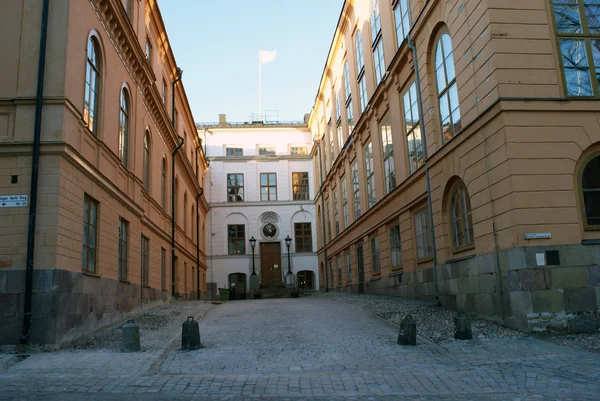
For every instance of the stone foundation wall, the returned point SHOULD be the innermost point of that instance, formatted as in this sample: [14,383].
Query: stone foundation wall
[520,294]
[67,304]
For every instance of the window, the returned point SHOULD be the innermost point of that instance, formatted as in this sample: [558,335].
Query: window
[356,191]
[145,261]
[335,213]
[124,127]
[360,67]
[423,234]
[163,256]
[266,151]
[375,254]
[164,92]
[184,212]
[344,202]
[123,238]
[347,89]
[88,247]
[234,152]
[163,183]
[236,239]
[328,220]
[375,20]
[339,269]
[578,27]
[331,272]
[590,186]
[303,235]
[235,187]
[268,186]
[348,266]
[128,8]
[462,221]
[388,156]
[324,152]
[331,148]
[395,246]
[370,175]
[362,92]
[300,186]
[413,129]
[147,161]
[379,60]
[299,150]
[446,88]
[338,113]
[402,17]
[92,85]
[350,116]
[148,50]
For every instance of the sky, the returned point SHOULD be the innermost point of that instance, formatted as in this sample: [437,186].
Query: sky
[216,43]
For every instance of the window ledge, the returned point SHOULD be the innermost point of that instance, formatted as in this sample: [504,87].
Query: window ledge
[123,280]
[394,274]
[375,279]
[590,242]
[424,260]
[463,249]
[460,259]
[91,274]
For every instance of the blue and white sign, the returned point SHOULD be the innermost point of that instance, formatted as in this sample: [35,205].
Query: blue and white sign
[14,200]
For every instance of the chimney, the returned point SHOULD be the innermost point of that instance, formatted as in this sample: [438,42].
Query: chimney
[222,119]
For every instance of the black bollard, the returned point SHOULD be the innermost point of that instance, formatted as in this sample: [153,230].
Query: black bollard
[130,339]
[408,331]
[462,327]
[190,335]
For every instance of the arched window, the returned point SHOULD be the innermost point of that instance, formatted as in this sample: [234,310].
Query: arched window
[163,183]
[124,126]
[184,209]
[446,88]
[92,85]
[590,186]
[462,221]
[147,161]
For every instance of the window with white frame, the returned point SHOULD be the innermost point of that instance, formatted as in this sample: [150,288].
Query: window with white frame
[266,151]
[402,19]
[360,68]
[300,189]
[92,85]
[362,92]
[350,116]
[338,113]
[235,187]
[395,246]
[375,254]
[378,57]
[413,129]
[124,126]
[379,60]
[348,92]
[388,156]
[232,151]
[268,186]
[370,175]
[299,150]
[423,234]
[446,89]
[355,191]
[328,220]
[340,136]
[348,265]
[339,269]
[344,202]
[336,213]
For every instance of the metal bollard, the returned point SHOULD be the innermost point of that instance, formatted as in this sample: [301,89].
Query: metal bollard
[190,335]
[130,340]
[462,327]
[408,331]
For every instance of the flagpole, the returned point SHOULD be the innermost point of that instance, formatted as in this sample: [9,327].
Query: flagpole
[259,87]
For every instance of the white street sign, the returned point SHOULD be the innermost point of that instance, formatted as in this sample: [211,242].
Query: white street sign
[13,200]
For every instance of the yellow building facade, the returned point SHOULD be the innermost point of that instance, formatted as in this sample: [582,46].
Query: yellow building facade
[111,142]
[459,149]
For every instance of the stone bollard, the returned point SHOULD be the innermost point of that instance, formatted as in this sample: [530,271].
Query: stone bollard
[130,340]
[408,331]
[462,327]
[190,336]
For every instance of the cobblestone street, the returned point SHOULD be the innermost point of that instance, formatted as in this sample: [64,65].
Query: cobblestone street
[310,348]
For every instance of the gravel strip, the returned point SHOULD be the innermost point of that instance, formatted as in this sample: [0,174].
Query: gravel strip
[433,322]
[157,324]
[588,342]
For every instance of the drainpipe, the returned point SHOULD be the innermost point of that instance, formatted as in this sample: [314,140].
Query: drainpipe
[323,218]
[181,141]
[198,242]
[35,162]
[412,47]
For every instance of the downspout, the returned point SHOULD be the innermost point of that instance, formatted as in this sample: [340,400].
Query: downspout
[412,47]
[182,140]
[35,163]
[323,218]
[198,242]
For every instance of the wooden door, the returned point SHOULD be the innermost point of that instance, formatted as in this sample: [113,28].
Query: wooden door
[270,263]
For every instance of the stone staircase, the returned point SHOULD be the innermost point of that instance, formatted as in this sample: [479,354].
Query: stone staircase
[274,291]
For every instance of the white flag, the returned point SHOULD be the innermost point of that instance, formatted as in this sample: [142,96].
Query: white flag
[265,56]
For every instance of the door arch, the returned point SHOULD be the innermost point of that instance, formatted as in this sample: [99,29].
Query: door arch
[306,280]
[237,286]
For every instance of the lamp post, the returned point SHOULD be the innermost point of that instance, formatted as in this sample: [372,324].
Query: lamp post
[290,279]
[253,245]
[288,242]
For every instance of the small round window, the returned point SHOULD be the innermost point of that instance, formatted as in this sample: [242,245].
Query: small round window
[269,231]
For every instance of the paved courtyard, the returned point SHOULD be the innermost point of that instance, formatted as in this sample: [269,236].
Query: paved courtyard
[307,349]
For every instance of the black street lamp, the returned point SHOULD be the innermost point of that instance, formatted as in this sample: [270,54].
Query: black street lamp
[288,242]
[253,245]
[290,279]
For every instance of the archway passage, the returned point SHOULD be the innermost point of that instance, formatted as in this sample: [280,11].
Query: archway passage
[305,280]
[237,286]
